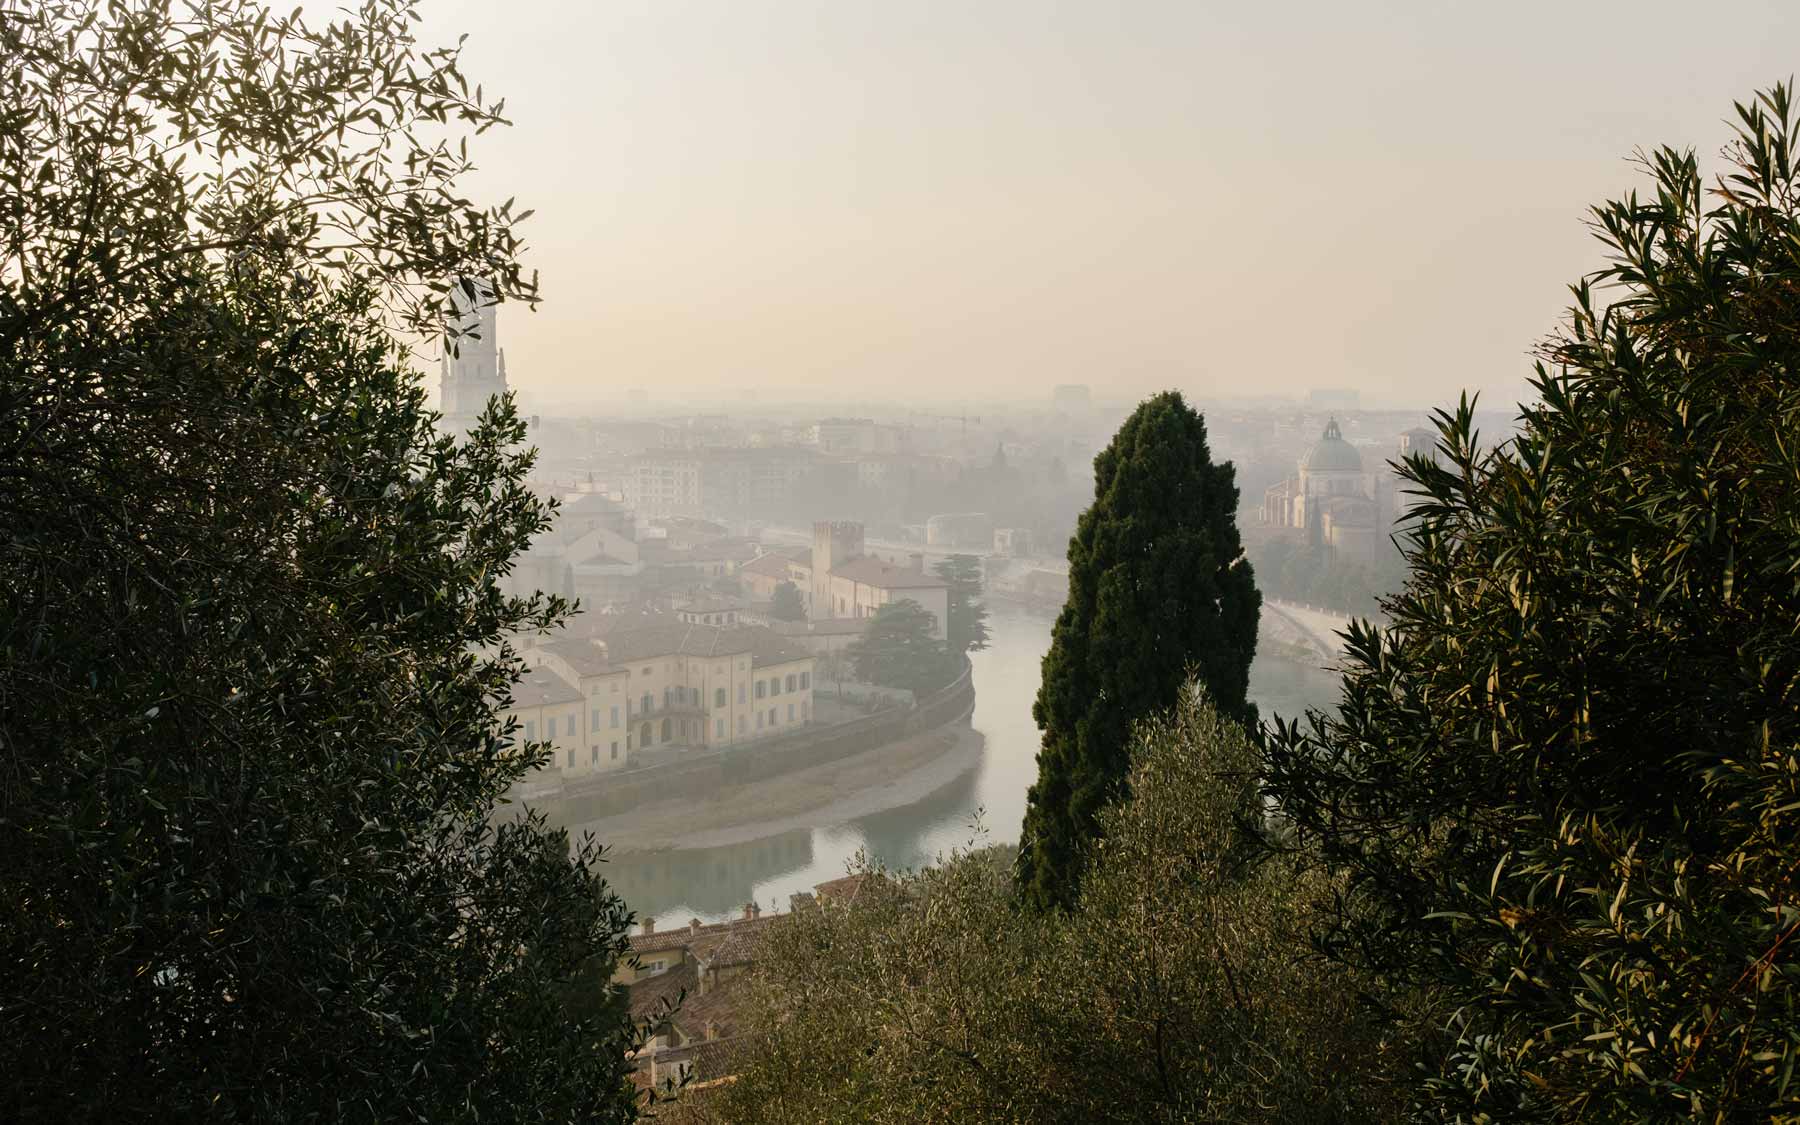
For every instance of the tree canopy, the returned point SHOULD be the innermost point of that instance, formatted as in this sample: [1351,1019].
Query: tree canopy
[1561,786]
[252,646]
[1178,988]
[966,630]
[785,604]
[1158,590]
[898,649]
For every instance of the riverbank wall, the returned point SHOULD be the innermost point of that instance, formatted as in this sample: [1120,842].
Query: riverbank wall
[703,772]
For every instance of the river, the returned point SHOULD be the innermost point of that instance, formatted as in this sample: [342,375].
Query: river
[984,805]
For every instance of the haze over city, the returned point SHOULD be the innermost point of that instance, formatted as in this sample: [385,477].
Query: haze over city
[865,201]
[753,562]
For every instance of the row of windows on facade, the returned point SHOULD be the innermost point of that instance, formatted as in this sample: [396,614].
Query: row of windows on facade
[673,696]
[770,718]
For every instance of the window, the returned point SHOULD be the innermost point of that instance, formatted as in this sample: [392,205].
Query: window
[645,672]
[594,759]
[615,716]
[762,689]
[718,728]
[741,690]
[530,731]
[569,727]
[651,968]
[595,719]
[644,740]
[790,712]
[804,677]
[668,697]
[719,698]
[774,685]
[571,759]
[793,681]
[649,703]
[615,751]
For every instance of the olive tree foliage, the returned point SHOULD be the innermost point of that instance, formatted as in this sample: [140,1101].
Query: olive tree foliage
[1564,785]
[251,638]
[1178,987]
[138,140]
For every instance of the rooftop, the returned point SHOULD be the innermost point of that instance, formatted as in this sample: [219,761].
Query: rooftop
[589,503]
[1332,454]
[774,564]
[635,637]
[587,658]
[711,604]
[539,687]
[834,627]
[885,575]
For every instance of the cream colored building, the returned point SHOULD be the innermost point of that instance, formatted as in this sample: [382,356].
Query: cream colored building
[1331,498]
[601,740]
[546,708]
[839,579]
[650,681]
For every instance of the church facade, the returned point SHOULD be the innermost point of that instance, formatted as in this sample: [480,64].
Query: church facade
[1332,499]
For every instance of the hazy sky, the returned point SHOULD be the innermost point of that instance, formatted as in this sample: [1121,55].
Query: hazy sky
[976,199]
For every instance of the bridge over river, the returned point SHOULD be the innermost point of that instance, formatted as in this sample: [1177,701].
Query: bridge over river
[1304,627]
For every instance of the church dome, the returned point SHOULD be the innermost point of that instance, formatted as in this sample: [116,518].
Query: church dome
[1332,454]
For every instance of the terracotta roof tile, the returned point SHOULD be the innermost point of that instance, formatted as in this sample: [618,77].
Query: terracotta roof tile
[885,575]
[539,687]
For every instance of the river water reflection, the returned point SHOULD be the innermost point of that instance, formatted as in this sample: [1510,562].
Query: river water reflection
[712,883]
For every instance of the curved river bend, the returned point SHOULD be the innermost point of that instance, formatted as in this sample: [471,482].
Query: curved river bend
[714,883]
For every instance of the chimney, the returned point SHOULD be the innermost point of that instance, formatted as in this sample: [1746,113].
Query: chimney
[693,925]
[749,911]
[649,925]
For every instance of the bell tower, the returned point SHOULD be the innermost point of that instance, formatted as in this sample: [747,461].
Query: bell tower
[473,369]
[834,543]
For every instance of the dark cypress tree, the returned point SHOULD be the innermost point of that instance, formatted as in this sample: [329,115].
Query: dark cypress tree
[1158,586]
[966,627]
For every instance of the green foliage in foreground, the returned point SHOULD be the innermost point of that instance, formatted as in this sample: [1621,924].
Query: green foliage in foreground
[1158,586]
[1178,988]
[250,625]
[1565,786]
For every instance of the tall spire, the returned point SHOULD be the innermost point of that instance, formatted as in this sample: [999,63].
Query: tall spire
[473,367]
